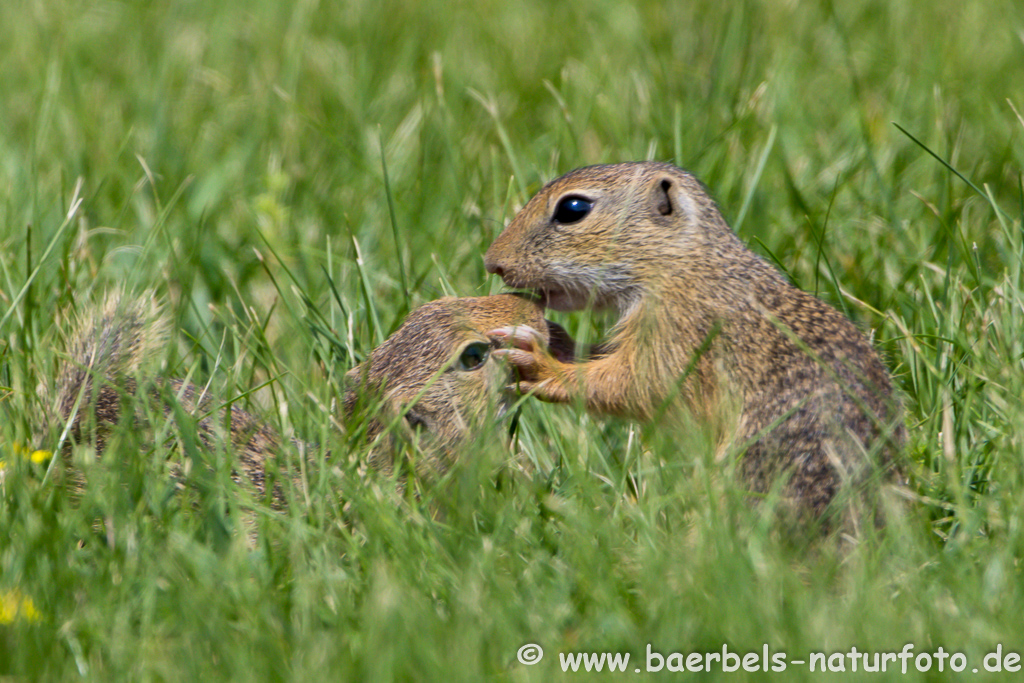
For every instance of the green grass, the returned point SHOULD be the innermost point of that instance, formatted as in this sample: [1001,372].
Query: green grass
[235,158]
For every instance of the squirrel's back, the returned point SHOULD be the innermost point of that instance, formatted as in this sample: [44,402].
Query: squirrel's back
[103,351]
[105,363]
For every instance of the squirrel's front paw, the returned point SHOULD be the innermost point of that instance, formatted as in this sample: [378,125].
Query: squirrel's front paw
[529,355]
[526,352]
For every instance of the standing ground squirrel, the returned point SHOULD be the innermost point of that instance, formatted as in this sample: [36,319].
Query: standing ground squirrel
[702,319]
[436,371]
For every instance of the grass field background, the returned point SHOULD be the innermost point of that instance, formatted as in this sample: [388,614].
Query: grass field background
[274,169]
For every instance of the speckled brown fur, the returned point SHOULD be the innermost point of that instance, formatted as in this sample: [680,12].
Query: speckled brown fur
[655,247]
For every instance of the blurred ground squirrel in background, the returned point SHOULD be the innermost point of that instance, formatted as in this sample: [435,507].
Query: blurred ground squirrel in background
[435,377]
[702,319]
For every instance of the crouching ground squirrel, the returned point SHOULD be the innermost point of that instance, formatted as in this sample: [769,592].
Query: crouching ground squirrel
[435,378]
[780,376]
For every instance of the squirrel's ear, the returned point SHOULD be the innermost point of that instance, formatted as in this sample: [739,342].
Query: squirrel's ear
[662,200]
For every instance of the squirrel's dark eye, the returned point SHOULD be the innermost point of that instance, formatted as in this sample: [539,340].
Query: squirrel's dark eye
[473,356]
[572,209]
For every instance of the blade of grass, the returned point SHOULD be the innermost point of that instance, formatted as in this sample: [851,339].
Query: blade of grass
[394,223]
[950,168]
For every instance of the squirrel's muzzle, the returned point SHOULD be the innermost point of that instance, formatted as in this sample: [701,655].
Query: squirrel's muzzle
[493,268]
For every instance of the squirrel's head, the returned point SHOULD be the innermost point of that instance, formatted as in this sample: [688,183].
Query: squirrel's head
[596,236]
[434,382]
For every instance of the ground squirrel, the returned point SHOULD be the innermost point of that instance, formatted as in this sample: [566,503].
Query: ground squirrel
[436,371]
[702,319]
[440,362]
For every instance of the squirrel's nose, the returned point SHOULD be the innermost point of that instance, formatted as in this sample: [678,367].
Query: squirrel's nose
[494,268]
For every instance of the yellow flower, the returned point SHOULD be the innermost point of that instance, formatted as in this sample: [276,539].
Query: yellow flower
[40,456]
[37,456]
[14,605]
